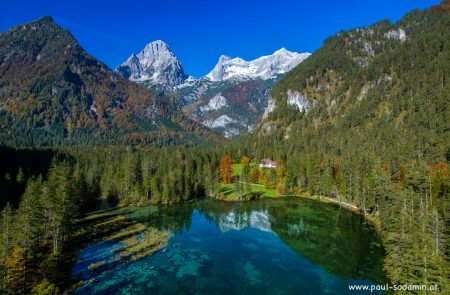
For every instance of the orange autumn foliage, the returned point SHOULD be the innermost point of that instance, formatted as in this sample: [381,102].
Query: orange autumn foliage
[226,169]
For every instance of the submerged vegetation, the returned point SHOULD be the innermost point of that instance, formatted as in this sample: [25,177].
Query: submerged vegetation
[135,239]
[219,246]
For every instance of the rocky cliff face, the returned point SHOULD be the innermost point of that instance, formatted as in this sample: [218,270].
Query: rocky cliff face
[232,98]
[155,66]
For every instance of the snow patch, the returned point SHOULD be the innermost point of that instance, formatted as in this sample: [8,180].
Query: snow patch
[189,82]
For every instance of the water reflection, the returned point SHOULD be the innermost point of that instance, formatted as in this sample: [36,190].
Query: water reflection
[236,221]
[265,246]
[340,241]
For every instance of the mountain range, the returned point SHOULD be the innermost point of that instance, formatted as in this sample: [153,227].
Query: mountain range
[265,67]
[230,99]
[52,92]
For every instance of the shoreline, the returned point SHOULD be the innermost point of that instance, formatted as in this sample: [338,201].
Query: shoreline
[348,206]
[322,199]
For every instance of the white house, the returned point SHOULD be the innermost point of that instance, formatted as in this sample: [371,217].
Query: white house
[267,163]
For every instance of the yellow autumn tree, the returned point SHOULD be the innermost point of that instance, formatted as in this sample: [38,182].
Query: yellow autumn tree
[245,161]
[16,269]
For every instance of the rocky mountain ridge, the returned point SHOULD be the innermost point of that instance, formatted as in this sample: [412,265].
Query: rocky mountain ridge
[229,99]
[154,66]
[53,93]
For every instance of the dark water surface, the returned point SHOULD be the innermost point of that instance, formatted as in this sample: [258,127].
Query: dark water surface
[284,246]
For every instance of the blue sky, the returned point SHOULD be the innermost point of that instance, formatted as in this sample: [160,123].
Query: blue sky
[199,31]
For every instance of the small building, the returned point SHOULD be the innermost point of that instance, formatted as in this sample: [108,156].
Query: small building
[267,163]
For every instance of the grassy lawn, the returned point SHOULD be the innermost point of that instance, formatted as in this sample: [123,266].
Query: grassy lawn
[228,191]
[258,189]
[237,169]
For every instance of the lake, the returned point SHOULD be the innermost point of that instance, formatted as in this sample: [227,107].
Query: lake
[270,246]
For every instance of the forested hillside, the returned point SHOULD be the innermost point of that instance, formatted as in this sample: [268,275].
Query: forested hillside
[366,120]
[53,93]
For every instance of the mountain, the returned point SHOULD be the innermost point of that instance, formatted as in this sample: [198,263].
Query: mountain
[230,99]
[230,108]
[353,68]
[154,66]
[365,120]
[265,67]
[52,92]
[233,96]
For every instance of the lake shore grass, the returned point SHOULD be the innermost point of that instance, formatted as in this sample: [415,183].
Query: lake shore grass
[227,191]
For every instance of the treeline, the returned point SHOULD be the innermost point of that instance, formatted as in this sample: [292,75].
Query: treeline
[148,176]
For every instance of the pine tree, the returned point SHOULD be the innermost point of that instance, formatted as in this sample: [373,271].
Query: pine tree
[29,219]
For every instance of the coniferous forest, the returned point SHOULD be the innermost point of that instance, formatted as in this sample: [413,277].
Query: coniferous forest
[371,130]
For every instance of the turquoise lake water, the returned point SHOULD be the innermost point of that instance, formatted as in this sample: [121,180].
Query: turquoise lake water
[285,246]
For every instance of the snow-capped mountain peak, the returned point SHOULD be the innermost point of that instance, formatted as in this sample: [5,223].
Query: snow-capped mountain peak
[155,65]
[282,50]
[224,58]
[265,67]
[155,52]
